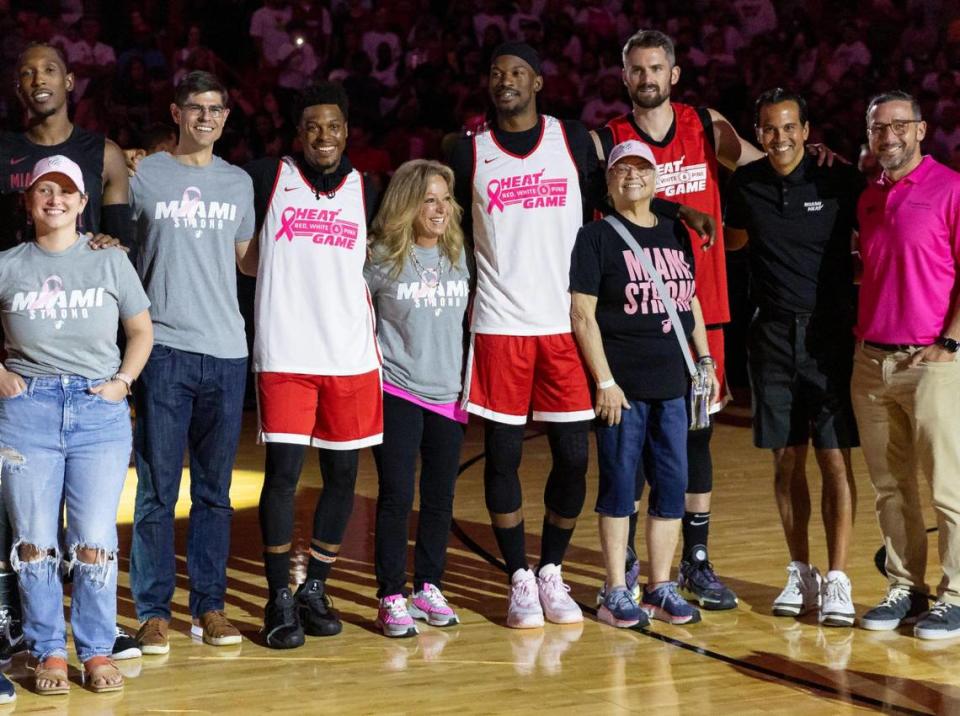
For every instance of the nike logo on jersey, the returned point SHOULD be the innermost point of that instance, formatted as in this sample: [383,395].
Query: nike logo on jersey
[487,161]
[290,188]
[16,160]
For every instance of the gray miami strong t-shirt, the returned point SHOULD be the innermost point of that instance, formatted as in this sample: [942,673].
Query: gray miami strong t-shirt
[60,310]
[188,219]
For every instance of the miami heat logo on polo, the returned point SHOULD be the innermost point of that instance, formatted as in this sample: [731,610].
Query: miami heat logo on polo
[321,226]
[531,191]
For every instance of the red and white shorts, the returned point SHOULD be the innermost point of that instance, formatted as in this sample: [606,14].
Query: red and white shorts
[506,375]
[337,412]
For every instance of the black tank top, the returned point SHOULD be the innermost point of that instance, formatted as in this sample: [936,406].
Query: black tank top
[17,157]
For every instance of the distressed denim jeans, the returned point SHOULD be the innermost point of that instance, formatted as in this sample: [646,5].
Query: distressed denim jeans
[61,441]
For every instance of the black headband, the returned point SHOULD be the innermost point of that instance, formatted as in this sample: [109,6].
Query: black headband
[521,50]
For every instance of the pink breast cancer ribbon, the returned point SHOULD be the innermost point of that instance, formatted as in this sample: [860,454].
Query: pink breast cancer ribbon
[286,224]
[493,193]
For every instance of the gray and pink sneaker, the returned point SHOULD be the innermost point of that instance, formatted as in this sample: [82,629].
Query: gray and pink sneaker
[431,606]
[393,619]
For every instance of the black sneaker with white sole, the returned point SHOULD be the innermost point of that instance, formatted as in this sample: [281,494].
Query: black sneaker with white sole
[125,646]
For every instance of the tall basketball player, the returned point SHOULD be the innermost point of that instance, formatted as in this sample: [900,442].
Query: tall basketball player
[524,185]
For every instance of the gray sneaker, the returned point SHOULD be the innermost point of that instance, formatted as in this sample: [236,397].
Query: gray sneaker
[902,605]
[941,622]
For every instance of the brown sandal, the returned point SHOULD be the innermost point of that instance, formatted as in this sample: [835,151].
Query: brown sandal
[101,667]
[53,668]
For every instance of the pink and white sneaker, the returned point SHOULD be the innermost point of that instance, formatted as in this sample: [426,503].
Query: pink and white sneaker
[393,619]
[524,611]
[430,605]
[558,606]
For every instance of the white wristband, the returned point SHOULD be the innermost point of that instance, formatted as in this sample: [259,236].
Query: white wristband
[604,384]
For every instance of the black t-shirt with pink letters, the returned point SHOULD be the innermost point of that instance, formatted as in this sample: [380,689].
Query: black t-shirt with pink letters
[638,338]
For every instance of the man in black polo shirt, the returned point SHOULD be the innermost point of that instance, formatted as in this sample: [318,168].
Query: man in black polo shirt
[798,218]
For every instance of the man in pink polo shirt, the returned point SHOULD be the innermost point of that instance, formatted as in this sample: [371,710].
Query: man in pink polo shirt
[906,377]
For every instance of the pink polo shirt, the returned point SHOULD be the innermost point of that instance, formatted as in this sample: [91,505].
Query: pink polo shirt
[910,246]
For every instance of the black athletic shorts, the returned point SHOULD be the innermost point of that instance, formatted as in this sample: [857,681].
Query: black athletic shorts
[800,368]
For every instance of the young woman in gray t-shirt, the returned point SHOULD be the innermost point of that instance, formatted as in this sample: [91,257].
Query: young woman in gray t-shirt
[65,422]
[419,280]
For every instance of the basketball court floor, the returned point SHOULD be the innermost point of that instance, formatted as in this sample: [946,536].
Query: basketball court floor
[737,662]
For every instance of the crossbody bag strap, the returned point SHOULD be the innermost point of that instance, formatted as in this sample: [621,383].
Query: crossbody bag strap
[662,292]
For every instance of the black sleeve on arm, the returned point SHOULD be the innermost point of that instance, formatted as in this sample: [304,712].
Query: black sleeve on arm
[371,199]
[665,208]
[116,220]
[606,141]
[461,162]
[263,172]
[589,169]
[735,213]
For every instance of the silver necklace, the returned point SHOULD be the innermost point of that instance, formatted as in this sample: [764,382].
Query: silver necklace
[429,277]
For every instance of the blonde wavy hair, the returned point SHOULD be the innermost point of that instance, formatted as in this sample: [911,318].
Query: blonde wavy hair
[392,231]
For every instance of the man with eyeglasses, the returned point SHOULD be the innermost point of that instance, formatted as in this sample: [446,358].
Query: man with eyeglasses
[799,218]
[195,219]
[906,376]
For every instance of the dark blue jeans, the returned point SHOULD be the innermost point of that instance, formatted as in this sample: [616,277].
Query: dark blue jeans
[184,400]
[661,427]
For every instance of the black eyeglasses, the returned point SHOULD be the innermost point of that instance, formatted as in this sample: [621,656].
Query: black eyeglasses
[898,126]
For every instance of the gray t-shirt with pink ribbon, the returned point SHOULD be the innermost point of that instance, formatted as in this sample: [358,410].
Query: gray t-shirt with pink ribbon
[188,219]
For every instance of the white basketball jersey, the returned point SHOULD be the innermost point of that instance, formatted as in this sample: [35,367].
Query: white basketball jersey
[313,311]
[526,214]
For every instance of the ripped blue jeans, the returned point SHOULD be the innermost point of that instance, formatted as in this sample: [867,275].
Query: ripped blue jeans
[59,440]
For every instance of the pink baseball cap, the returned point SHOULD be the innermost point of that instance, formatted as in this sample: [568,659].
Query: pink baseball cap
[58,164]
[631,148]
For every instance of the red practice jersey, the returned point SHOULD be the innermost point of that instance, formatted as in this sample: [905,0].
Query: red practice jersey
[688,173]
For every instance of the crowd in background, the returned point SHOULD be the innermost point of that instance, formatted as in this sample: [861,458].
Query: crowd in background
[415,69]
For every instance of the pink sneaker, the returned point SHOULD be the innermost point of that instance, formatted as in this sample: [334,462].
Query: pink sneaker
[430,605]
[523,611]
[558,607]
[393,619]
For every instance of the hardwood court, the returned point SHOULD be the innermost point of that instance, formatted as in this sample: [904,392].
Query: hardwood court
[743,661]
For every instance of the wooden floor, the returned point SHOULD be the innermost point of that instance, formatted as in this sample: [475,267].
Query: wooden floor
[742,661]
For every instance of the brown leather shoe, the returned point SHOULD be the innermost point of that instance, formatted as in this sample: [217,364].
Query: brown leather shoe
[153,636]
[216,629]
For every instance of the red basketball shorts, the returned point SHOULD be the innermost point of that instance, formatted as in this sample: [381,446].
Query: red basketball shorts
[337,412]
[507,375]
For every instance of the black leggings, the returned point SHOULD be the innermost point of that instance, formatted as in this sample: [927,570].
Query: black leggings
[408,431]
[566,485]
[284,463]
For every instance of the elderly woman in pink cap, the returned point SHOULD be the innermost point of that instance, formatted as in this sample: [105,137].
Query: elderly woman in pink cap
[634,339]
[65,423]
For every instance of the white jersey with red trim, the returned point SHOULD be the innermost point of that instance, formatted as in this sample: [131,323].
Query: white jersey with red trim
[526,214]
[313,312]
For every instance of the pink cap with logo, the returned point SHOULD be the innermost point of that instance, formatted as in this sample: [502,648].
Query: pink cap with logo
[631,148]
[58,164]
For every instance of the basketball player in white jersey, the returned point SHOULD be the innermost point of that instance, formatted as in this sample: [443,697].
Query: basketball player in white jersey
[315,353]
[523,185]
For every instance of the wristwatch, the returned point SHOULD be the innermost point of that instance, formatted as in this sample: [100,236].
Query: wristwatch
[951,344]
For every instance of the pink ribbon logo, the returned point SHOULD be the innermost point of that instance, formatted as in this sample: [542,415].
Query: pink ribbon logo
[493,193]
[287,219]
[51,288]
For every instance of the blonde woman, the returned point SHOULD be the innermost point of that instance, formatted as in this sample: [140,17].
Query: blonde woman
[419,281]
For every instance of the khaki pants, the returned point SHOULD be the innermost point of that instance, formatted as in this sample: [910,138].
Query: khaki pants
[909,420]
